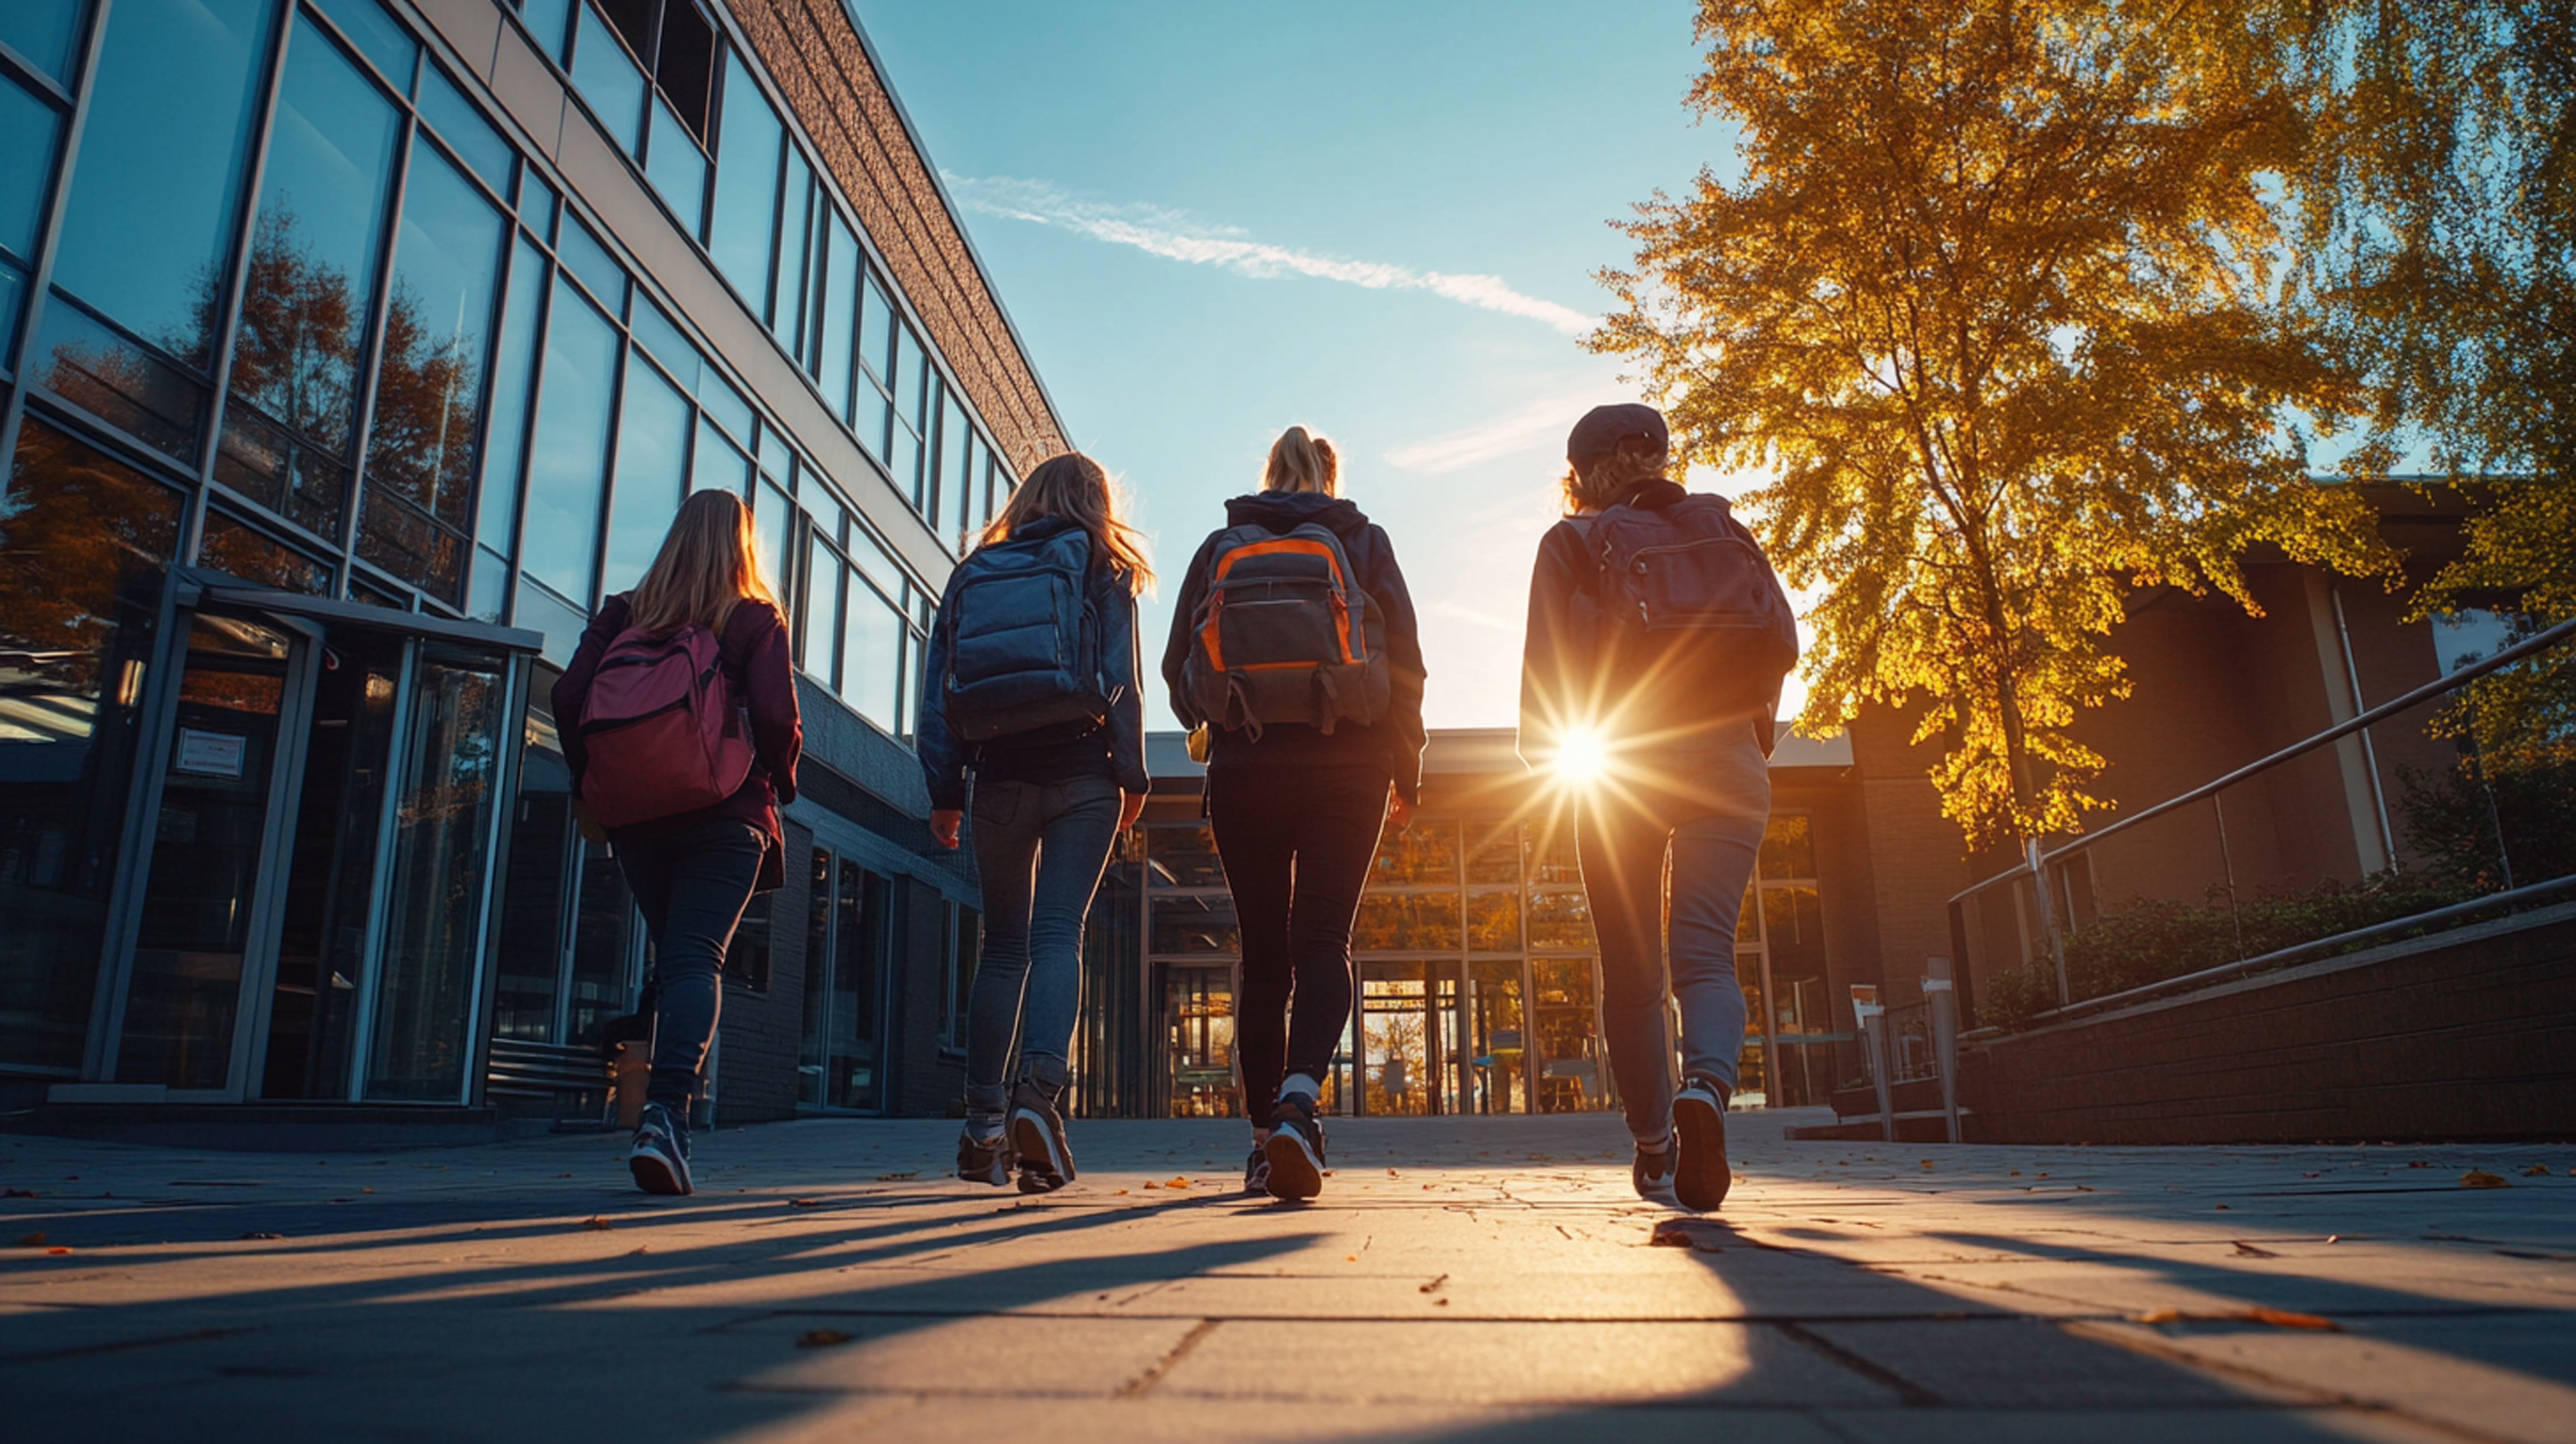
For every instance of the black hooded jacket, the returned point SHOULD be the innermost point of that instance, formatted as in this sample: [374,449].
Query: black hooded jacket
[1395,742]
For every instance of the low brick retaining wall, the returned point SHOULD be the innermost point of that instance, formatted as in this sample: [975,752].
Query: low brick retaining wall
[2468,1034]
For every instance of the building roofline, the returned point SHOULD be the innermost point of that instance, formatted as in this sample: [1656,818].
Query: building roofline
[912,134]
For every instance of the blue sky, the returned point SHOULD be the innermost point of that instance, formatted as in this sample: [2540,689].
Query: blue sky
[1379,220]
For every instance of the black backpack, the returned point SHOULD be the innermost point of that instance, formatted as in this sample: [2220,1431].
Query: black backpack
[1024,648]
[1284,634]
[1690,609]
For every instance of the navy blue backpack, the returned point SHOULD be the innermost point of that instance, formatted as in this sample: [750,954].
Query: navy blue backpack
[1024,646]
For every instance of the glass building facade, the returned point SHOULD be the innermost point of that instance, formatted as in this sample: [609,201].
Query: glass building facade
[337,388]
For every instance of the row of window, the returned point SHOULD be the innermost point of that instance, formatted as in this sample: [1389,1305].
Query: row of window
[426,360]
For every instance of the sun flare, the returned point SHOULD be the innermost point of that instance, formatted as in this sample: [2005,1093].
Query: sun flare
[1582,758]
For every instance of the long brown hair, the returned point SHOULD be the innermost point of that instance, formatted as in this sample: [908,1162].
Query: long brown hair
[710,560]
[1302,461]
[1075,488]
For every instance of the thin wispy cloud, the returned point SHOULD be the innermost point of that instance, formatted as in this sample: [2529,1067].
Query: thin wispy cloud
[1502,436]
[1180,237]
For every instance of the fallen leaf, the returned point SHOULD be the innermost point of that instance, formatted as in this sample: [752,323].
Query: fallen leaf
[1149,1183]
[821,1339]
[2284,1319]
[17,1193]
[58,1249]
[263,1235]
[639,1250]
[1122,1190]
[1178,1183]
[2310,1174]
[1390,1173]
[2537,1170]
[370,1190]
[1927,1163]
[2016,1173]
[2421,1163]
[804,1203]
[31,1240]
[1434,1284]
[2219,1206]
[2161,1316]
[596,1223]
[2088,1188]
[2480,1178]
[898,1177]
[2248,1250]
[2334,1238]
[1350,1258]
[1442,1302]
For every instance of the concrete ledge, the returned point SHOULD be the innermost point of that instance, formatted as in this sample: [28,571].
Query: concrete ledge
[2468,1034]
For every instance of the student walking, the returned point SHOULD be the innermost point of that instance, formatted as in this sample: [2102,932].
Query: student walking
[1293,645]
[1032,689]
[1658,638]
[678,718]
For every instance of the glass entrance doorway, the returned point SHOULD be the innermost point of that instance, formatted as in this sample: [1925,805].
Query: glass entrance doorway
[317,834]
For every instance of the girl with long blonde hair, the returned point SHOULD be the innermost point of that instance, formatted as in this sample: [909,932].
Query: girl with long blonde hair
[1033,717]
[693,871]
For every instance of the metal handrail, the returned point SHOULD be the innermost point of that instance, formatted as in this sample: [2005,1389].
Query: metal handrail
[2537,642]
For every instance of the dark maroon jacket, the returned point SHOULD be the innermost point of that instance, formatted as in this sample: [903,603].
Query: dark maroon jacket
[754,654]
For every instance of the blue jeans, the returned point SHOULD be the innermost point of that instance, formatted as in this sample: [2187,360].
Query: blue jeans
[691,887]
[1039,849]
[1624,842]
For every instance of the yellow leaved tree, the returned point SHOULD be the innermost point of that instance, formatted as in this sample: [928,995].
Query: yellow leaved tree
[1992,304]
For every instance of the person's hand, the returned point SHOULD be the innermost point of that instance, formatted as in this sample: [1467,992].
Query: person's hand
[944,822]
[1399,811]
[1131,805]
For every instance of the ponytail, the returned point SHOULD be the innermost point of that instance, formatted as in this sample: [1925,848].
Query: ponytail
[1302,461]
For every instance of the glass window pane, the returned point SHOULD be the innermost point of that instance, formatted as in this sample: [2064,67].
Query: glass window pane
[560,622]
[724,405]
[719,465]
[677,168]
[42,32]
[28,129]
[876,329]
[152,204]
[609,81]
[1493,852]
[770,519]
[1406,922]
[954,431]
[795,237]
[872,659]
[659,334]
[466,131]
[547,20]
[1494,922]
[822,609]
[590,262]
[840,317]
[970,489]
[903,460]
[871,558]
[1425,853]
[497,512]
[652,474]
[314,250]
[80,579]
[746,214]
[1560,920]
[119,382]
[13,296]
[378,36]
[487,586]
[1194,925]
[232,547]
[1183,856]
[1789,846]
[568,463]
[429,386]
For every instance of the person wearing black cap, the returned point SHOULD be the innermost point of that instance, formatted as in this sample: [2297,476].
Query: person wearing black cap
[1640,692]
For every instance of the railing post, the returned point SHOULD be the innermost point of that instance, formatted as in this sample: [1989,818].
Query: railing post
[2227,868]
[2047,917]
[1937,991]
[1873,1033]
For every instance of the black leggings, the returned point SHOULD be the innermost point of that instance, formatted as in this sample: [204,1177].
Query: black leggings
[1296,844]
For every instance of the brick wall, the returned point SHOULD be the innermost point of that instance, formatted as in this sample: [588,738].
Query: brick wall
[763,1033]
[821,67]
[925,1083]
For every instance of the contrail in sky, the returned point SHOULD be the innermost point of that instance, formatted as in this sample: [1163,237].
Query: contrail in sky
[1174,235]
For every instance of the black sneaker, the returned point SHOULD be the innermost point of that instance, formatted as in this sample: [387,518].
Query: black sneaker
[1652,1172]
[984,1160]
[1702,1176]
[1295,1150]
[1256,1171]
[659,1154]
[1037,1137]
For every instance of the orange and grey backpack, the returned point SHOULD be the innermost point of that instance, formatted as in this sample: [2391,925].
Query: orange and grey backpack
[1285,634]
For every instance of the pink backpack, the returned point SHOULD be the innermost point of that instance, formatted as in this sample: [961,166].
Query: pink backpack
[661,728]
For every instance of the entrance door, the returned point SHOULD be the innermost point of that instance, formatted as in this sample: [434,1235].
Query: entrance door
[323,831]
[1413,1054]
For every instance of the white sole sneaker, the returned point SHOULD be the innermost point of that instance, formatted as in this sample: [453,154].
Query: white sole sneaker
[1702,1175]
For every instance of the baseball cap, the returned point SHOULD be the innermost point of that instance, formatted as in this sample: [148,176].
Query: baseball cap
[1604,427]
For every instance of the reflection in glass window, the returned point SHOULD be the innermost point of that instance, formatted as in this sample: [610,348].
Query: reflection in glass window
[1406,922]
[823,573]
[429,384]
[541,611]
[1189,925]
[1183,856]
[795,237]
[1550,844]
[513,369]
[162,151]
[28,129]
[609,81]
[378,36]
[839,308]
[770,512]
[1493,852]
[314,248]
[659,335]
[1494,922]
[677,168]
[1425,853]
[1560,920]
[872,659]
[232,547]
[591,263]
[746,212]
[43,32]
[80,581]
[652,474]
[567,462]
[1789,846]
[466,132]
[719,465]
[121,383]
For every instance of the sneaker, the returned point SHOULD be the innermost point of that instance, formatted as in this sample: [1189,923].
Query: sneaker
[659,1154]
[1295,1150]
[1256,1171]
[1037,1138]
[984,1160]
[1652,1172]
[1702,1176]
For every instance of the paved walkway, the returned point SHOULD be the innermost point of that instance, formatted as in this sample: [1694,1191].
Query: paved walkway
[1460,1279]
